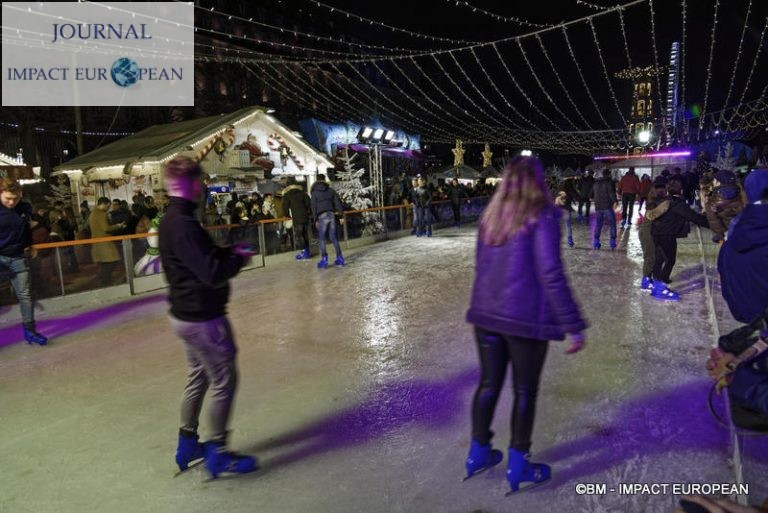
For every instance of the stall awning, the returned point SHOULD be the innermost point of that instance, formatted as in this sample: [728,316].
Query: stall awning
[17,172]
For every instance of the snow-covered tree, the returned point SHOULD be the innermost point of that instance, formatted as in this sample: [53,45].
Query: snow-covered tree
[725,158]
[355,195]
[60,191]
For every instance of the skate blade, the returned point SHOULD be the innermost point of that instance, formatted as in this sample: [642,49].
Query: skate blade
[230,475]
[189,467]
[484,469]
[528,487]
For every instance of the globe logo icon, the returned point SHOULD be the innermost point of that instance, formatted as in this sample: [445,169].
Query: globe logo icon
[125,72]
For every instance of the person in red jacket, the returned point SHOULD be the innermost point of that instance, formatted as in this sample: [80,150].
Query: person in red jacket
[645,188]
[629,187]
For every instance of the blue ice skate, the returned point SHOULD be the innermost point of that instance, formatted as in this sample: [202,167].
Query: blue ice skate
[218,460]
[188,450]
[520,470]
[481,458]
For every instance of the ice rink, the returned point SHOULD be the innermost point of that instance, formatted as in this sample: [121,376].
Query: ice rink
[355,385]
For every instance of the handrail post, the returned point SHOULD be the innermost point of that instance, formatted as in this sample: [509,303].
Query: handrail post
[127,259]
[61,271]
[346,230]
[262,245]
[401,213]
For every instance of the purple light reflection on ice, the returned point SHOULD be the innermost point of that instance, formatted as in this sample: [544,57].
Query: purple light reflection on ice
[60,326]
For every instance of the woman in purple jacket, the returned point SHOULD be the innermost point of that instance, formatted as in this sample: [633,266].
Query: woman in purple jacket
[520,301]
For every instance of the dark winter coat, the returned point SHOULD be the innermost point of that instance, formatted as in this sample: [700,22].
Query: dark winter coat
[456,194]
[324,199]
[422,197]
[197,270]
[296,204]
[15,233]
[604,194]
[675,222]
[585,189]
[520,287]
[743,264]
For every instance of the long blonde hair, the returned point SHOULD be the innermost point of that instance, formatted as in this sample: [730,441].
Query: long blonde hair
[519,199]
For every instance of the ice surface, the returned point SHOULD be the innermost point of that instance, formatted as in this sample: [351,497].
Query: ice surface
[354,393]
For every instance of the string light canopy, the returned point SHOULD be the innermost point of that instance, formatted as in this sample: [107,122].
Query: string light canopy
[501,91]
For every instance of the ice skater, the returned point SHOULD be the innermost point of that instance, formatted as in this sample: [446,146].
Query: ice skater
[516,313]
[655,207]
[604,196]
[325,203]
[422,201]
[15,251]
[198,272]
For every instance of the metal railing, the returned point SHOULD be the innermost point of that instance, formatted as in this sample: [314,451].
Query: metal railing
[65,268]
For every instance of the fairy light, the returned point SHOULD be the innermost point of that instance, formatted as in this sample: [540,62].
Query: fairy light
[498,91]
[738,54]
[709,67]
[498,17]
[541,86]
[754,65]
[581,75]
[682,68]
[297,33]
[428,97]
[395,104]
[472,83]
[520,89]
[591,6]
[656,57]
[605,71]
[624,36]
[560,81]
[304,90]
[458,88]
[437,88]
[285,92]
[410,97]
[369,21]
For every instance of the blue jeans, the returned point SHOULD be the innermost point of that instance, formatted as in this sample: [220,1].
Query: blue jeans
[17,270]
[599,215]
[568,221]
[425,219]
[416,218]
[327,224]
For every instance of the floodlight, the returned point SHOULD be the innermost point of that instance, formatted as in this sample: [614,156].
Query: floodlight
[526,153]
[364,134]
[389,136]
[644,137]
[378,134]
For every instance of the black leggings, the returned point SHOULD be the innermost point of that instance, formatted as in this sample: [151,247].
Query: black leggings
[666,255]
[527,356]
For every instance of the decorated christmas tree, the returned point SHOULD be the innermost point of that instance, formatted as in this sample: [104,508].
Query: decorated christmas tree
[60,191]
[355,195]
[725,158]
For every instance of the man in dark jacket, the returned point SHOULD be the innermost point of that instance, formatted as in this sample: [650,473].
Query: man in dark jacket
[673,225]
[604,196]
[456,193]
[15,248]
[325,202]
[296,205]
[585,194]
[198,272]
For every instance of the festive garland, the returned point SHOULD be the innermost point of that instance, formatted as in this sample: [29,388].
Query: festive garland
[277,143]
[217,143]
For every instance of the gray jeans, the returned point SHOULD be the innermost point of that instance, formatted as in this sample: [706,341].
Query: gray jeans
[211,351]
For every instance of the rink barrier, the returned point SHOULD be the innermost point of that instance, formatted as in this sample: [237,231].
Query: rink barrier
[736,455]
[64,269]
